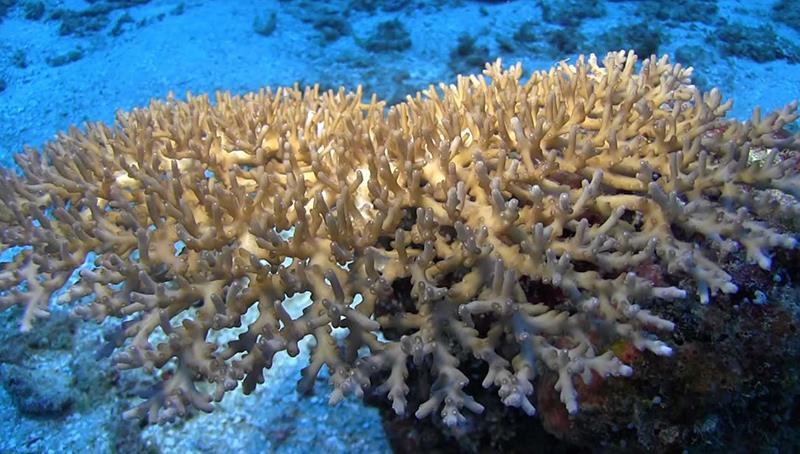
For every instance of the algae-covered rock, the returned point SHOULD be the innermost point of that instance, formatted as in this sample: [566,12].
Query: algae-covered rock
[760,44]
[388,36]
[37,392]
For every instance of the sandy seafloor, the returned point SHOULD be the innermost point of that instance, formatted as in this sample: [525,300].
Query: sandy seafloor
[208,45]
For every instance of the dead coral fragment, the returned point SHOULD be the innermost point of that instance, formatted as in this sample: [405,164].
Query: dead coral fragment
[527,224]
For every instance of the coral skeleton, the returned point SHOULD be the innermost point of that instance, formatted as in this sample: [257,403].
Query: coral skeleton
[524,224]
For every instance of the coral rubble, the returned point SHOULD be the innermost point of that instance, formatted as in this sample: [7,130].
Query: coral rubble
[525,224]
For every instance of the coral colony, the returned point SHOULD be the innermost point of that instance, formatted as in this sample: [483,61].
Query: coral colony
[527,225]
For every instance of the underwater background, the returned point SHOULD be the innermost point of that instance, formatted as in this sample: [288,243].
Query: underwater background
[63,63]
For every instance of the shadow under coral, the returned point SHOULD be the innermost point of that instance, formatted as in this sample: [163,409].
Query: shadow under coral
[733,381]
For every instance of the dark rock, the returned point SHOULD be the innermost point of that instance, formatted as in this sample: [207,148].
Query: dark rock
[372,6]
[33,10]
[641,37]
[119,26]
[468,56]
[265,25]
[332,27]
[5,7]
[689,11]
[760,44]
[56,332]
[35,392]
[64,59]
[388,36]
[787,12]
[571,12]
[19,59]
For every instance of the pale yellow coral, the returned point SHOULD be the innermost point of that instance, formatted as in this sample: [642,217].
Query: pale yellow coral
[491,212]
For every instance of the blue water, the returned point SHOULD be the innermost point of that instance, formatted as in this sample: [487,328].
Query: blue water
[63,63]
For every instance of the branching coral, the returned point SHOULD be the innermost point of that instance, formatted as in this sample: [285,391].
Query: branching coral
[525,224]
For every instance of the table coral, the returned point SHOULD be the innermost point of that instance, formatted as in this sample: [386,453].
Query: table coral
[525,223]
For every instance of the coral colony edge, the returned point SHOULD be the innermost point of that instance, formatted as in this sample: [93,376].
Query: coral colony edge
[526,225]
